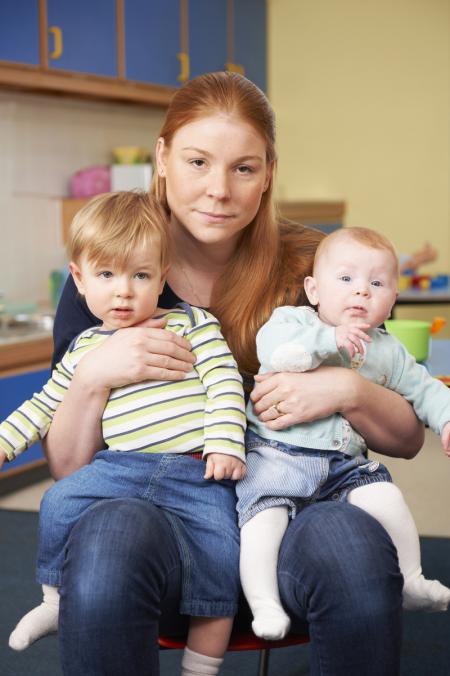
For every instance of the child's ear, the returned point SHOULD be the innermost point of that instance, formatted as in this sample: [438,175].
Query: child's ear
[77,277]
[311,290]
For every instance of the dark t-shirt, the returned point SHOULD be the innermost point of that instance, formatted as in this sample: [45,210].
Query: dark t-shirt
[73,316]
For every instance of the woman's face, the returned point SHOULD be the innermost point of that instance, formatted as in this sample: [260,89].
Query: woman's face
[216,173]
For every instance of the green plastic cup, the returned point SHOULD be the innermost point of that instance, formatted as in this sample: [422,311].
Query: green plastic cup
[413,333]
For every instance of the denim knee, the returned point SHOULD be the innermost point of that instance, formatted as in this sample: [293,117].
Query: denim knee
[121,572]
[338,569]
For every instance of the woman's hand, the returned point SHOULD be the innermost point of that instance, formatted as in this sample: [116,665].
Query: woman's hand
[299,397]
[135,354]
[384,418]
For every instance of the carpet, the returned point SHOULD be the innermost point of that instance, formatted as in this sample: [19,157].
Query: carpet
[426,646]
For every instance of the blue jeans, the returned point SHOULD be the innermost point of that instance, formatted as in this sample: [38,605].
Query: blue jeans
[338,577]
[202,516]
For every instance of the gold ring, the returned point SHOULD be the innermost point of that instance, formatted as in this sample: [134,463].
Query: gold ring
[277,408]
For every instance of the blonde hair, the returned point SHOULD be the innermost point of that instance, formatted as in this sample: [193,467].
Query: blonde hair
[110,227]
[272,260]
[369,238]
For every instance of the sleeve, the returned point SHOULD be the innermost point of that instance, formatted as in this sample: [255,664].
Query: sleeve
[72,318]
[31,421]
[294,339]
[225,419]
[429,396]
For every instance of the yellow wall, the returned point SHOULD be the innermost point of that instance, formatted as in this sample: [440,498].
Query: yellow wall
[361,93]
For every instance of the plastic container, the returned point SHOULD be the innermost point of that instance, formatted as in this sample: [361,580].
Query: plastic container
[413,333]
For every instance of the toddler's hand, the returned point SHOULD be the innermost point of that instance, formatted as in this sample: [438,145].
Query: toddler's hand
[221,466]
[350,337]
[445,438]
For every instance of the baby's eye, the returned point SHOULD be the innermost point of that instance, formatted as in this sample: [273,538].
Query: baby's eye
[142,275]
[376,282]
[345,278]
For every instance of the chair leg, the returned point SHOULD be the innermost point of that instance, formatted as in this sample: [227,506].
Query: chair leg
[263,667]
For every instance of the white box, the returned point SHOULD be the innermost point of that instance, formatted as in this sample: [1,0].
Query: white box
[131,176]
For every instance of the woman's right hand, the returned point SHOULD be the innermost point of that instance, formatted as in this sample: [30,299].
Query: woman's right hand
[135,354]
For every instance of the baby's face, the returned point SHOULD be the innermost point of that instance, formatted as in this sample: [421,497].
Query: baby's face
[354,284]
[124,295]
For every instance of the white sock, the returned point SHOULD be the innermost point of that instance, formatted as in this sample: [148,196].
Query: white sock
[385,502]
[194,664]
[260,543]
[39,622]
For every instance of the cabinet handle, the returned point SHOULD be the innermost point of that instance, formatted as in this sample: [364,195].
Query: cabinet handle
[235,68]
[58,42]
[184,63]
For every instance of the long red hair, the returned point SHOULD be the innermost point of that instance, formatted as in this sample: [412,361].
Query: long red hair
[271,259]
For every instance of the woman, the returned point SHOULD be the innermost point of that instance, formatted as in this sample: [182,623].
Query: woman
[338,570]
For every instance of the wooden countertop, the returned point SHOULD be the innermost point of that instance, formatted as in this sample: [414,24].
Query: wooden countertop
[25,354]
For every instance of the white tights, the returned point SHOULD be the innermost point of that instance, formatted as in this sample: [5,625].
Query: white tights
[261,539]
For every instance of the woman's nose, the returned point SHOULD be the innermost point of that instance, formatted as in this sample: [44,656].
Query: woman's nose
[219,186]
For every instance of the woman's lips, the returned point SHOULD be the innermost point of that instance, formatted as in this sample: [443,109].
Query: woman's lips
[211,217]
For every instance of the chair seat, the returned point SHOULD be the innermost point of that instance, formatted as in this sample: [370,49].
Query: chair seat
[242,641]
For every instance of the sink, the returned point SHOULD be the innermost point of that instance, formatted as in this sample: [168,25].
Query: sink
[23,327]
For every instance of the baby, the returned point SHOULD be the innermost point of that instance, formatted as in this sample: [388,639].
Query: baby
[119,248]
[353,287]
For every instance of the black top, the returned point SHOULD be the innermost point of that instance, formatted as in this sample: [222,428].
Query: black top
[73,316]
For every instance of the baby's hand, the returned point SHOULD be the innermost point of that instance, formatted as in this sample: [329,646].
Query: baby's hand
[221,466]
[445,438]
[350,337]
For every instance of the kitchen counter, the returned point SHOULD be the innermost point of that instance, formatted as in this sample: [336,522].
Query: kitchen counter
[25,344]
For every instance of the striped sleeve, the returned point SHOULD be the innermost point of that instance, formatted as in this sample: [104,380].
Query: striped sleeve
[225,420]
[31,421]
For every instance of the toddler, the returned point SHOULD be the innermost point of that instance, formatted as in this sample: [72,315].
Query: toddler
[353,287]
[156,433]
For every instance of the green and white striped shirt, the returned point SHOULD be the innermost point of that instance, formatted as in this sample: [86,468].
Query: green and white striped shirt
[204,412]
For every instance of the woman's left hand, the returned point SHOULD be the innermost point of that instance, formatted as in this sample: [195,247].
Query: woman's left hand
[284,399]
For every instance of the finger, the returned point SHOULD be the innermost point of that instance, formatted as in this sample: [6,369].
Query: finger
[160,341]
[238,472]
[163,361]
[281,423]
[219,472]
[154,322]
[209,471]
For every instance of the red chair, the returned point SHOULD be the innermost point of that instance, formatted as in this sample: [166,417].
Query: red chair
[247,641]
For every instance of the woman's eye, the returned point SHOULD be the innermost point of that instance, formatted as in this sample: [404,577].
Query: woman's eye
[244,169]
[142,275]
[197,163]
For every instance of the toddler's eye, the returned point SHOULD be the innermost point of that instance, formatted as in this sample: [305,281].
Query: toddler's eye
[376,282]
[345,278]
[142,275]
[106,274]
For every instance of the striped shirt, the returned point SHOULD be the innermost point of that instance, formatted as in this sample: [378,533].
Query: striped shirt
[204,412]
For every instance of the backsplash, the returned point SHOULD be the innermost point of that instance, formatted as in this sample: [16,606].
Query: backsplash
[43,141]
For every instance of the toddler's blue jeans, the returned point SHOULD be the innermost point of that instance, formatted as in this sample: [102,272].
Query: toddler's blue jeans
[202,516]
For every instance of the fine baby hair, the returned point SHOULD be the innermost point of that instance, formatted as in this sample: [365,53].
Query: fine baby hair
[365,236]
[111,226]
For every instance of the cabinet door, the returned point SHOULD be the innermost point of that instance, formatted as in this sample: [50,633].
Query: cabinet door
[82,36]
[152,41]
[207,36]
[14,390]
[249,39]
[19,31]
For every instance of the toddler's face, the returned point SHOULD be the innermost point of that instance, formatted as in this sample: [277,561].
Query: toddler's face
[121,295]
[353,284]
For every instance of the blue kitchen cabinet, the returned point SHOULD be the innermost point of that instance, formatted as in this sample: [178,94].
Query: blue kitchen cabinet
[249,39]
[14,390]
[82,36]
[207,36]
[152,41]
[19,31]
